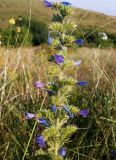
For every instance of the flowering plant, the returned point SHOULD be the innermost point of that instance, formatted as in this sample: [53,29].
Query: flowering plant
[53,129]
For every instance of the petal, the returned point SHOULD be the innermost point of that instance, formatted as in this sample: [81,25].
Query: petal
[84,112]
[79,42]
[77,63]
[62,152]
[58,58]
[49,40]
[66,3]
[82,83]
[43,121]
[47,3]
[28,115]
[68,112]
[54,108]
[38,84]
[40,141]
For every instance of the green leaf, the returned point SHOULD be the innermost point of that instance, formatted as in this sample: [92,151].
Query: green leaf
[67,132]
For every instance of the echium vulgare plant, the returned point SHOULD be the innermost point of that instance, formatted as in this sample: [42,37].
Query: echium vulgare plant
[53,131]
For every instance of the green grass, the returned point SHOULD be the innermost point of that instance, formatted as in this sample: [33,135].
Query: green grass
[84,18]
[20,67]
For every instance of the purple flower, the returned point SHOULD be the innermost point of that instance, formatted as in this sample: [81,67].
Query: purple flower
[82,83]
[38,84]
[28,115]
[62,152]
[58,58]
[49,39]
[66,3]
[47,3]
[80,42]
[84,112]
[41,142]
[77,63]
[54,108]
[68,112]
[43,121]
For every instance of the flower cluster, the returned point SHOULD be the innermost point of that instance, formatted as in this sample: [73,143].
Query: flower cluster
[12,21]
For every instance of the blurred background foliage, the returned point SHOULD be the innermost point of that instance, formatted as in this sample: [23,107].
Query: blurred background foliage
[35,33]
[24,32]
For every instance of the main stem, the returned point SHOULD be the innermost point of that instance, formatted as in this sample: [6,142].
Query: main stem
[56,141]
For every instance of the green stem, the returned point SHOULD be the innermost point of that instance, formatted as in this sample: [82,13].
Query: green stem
[29,140]
[56,143]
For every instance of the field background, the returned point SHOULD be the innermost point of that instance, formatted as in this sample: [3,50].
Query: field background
[84,18]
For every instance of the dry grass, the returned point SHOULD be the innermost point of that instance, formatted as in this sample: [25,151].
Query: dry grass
[20,67]
[97,63]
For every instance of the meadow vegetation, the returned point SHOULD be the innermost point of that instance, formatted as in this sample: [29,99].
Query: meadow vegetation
[21,65]
[19,68]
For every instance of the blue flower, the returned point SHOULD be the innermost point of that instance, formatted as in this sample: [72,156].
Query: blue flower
[68,112]
[113,152]
[58,58]
[82,83]
[43,121]
[54,108]
[80,42]
[66,3]
[84,112]
[41,142]
[38,85]
[47,3]
[50,92]
[28,115]
[49,39]
[62,152]
[77,63]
